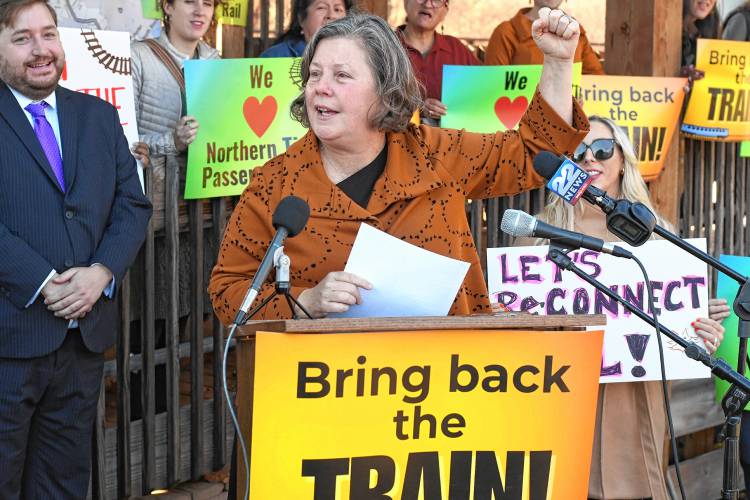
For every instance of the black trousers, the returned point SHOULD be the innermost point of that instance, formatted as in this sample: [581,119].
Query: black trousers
[47,411]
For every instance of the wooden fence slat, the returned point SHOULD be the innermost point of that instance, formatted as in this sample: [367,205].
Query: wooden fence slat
[700,187]
[148,326]
[172,326]
[265,14]
[99,462]
[727,193]
[219,408]
[196,339]
[718,189]
[123,393]
[279,19]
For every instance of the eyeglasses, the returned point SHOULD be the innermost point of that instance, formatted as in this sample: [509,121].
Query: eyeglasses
[602,149]
[433,3]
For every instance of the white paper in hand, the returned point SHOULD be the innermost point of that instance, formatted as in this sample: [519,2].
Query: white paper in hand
[407,280]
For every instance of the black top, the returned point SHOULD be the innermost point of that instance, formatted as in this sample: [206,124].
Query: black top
[358,186]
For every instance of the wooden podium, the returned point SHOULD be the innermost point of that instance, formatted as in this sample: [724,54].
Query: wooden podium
[245,348]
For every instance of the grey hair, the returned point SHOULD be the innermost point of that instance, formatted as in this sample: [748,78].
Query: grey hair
[395,83]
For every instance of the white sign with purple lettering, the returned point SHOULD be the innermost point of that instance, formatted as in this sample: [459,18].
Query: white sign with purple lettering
[524,279]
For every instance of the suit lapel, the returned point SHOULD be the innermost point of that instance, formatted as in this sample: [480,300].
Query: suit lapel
[19,124]
[68,135]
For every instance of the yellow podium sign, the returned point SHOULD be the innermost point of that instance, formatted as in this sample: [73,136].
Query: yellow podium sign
[424,415]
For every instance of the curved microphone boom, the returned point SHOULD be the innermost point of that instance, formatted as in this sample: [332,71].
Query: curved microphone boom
[520,224]
[632,222]
[289,219]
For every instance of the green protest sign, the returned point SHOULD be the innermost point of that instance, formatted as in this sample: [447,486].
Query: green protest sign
[490,98]
[726,288]
[745,149]
[242,106]
[151,9]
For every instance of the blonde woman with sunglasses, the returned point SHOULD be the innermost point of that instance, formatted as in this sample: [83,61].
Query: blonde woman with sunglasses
[628,454]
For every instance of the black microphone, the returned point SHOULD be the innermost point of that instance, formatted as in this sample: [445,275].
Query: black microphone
[289,219]
[632,222]
[519,224]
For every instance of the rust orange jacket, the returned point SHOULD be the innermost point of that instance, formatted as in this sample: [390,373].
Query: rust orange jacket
[420,197]
[511,43]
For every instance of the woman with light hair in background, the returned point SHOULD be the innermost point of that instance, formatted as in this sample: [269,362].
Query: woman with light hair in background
[631,426]
[165,131]
[512,43]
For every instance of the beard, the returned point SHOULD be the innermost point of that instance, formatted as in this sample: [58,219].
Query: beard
[32,87]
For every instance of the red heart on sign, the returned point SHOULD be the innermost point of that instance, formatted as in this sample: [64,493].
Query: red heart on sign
[260,115]
[510,112]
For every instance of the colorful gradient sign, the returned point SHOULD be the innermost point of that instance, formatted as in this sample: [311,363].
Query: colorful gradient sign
[726,288]
[490,98]
[647,108]
[719,105]
[242,106]
[390,415]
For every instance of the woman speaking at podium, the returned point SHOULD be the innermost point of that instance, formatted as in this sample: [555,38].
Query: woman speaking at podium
[363,162]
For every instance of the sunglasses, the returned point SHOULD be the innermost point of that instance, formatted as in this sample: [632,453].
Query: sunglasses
[602,149]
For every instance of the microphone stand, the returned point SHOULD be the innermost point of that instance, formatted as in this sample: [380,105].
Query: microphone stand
[282,263]
[732,404]
[738,394]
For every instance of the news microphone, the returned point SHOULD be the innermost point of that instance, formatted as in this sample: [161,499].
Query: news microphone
[519,224]
[289,219]
[632,222]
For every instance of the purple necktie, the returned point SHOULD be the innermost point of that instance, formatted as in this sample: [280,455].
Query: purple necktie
[47,139]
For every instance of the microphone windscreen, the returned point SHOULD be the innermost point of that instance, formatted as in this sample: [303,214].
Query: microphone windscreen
[291,213]
[546,164]
[517,223]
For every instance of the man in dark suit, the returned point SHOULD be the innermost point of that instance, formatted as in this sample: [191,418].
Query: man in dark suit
[72,218]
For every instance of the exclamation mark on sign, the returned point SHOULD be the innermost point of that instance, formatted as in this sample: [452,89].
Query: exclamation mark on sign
[637,345]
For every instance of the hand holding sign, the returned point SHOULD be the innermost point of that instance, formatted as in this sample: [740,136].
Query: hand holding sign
[556,34]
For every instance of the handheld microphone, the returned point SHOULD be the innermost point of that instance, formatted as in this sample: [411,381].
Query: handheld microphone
[289,219]
[518,224]
[632,222]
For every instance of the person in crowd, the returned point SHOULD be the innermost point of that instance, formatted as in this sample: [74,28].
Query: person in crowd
[737,24]
[511,42]
[362,161]
[72,218]
[164,127]
[307,18]
[628,454]
[165,131]
[699,20]
[429,51]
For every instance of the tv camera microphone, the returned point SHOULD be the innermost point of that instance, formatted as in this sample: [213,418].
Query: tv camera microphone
[289,219]
[519,224]
[633,223]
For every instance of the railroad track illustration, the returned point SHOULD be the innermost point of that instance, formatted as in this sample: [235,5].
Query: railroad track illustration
[116,64]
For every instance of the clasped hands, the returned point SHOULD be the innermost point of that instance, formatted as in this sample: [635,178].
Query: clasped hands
[72,294]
